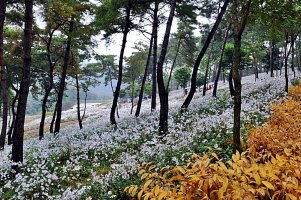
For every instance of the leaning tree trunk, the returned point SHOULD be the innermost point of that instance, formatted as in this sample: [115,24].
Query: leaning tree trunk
[154,74]
[201,55]
[173,64]
[238,29]
[144,76]
[79,118]
[163,93]
[44,110]
[48,88]
[207,68]
[3,77]
[63,79]
[286,54]
[18,133]
[220,64]
[120,66]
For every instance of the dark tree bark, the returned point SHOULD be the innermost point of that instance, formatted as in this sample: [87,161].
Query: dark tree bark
[63,79]
[44,110]
[281,62]
[238,29]
[207,68]
[144,76]
[13,111]
[132,99]
[154,74]
[219,68]
[3,77]
[120,66]
[49,87]
[51,128]
[163,93]
[112,89]
[293,53]
[201,55]
[286,54]
[256,70]
[230,80]
[272,58]
[18,133]
[173,64]
[85,107]
[79,118]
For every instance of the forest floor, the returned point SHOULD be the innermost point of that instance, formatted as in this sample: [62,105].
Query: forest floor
[98,162]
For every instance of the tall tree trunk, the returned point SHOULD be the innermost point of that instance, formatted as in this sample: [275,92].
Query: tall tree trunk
[13,105]
[293,53]
[281,62]
[230,80]
[154,74]
[298,53]
[120,66]
[256,68]
[219,69]
[85,107]
[44,110]
[238,29]
[3,77]
[173,64]
[201,55]
[207,68]
[113,92]
[63,79]
[272,58]
[79,118]
[286,54]
[144,76]
[51,128]
[49,87]
[18,133]
[163,93]
[132,99]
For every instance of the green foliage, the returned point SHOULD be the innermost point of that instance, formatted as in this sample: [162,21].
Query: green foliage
[296,81]
[200,80]
[111,17]
[182,76]
[228,54]
[185,42]
[148,88]
[135,66]
[107,67]
[134,71]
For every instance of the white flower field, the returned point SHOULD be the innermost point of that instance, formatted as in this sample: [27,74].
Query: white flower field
[99,161]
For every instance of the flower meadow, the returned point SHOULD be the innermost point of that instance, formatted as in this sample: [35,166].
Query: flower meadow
[99,161]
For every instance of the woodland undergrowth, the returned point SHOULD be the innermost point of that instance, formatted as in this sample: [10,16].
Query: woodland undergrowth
[270,168]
